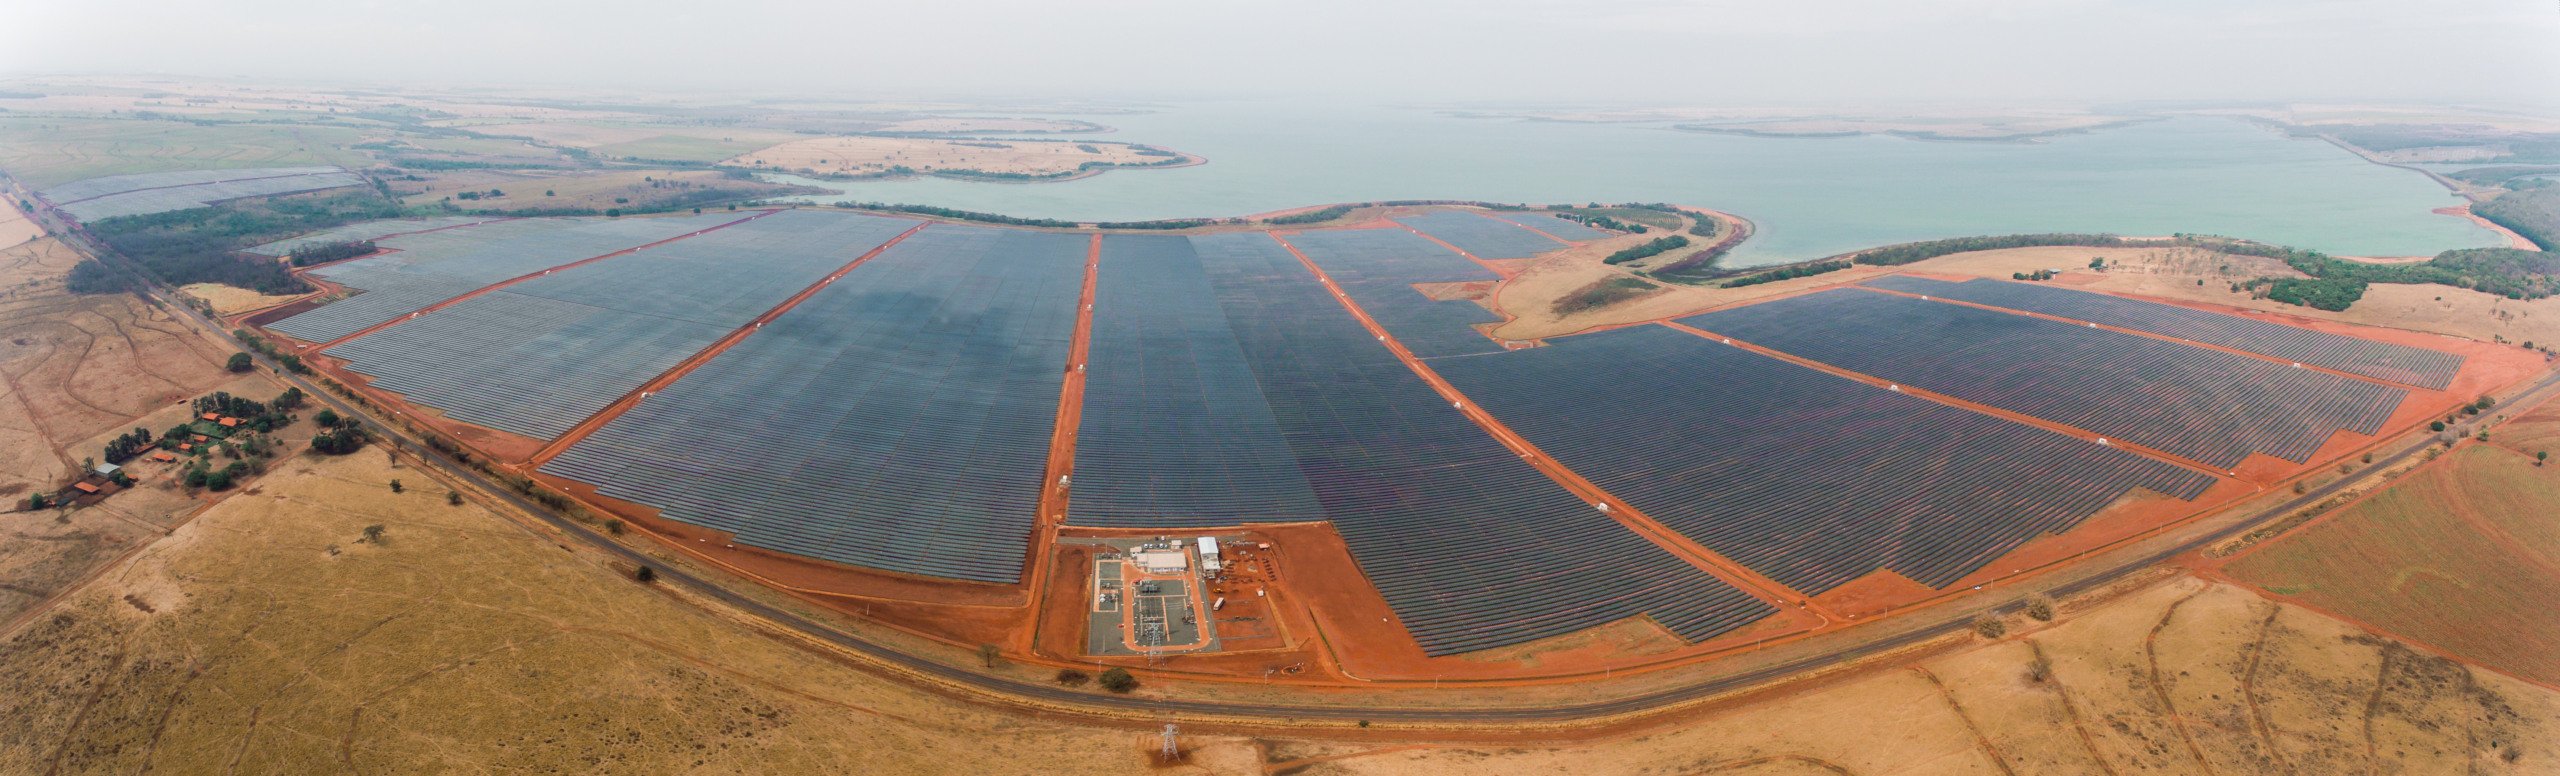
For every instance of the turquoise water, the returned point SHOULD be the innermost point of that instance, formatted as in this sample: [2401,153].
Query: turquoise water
[1810,197]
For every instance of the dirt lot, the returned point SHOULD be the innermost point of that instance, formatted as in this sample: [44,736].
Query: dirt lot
[531,190]
[877,155]
[2459,555]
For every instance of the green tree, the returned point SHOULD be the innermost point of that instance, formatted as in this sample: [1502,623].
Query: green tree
[395,486]
[1118,680]
[373,533]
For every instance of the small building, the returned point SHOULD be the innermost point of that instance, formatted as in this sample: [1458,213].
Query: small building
[1161,561]
[1209,560]
[184,447]
[107,470]
[85,488]
[213,416]
[164,456]
[230,422]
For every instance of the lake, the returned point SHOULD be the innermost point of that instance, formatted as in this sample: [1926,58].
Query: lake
[1811,197]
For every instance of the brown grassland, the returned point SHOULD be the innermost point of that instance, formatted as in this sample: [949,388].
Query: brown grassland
[2463,555]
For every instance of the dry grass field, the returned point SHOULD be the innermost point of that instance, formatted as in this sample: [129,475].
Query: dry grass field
[269,636]
[878,155]
[2181,677]
[2461,555]
[73,366]
[227,299]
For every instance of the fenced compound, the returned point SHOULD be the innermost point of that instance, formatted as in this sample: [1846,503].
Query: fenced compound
[436,266]
[1486,238]
[1807,477]
[898,419]
[2378,360]
[541,356]
[1470,545]
[1379,267]
[2202,404]
[1175,431]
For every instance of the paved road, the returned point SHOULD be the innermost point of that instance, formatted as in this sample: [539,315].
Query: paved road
[1121,705]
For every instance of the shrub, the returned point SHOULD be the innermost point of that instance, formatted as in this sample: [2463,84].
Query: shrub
[1990,625]
[1118,680]
[453,497]
[395,486]
[1073,678]
[373,533]
[2040,607]
[645,575]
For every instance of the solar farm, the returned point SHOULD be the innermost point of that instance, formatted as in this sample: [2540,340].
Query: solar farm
[97,199]
[891,408]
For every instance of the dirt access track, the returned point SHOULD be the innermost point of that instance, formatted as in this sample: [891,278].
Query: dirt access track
[1331,620]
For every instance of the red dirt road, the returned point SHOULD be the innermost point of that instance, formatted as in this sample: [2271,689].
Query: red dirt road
[1062,450]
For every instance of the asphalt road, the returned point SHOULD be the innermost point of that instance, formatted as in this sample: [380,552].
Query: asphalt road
[1123,705]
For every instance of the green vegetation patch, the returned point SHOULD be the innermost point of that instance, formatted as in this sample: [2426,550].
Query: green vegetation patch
[2531,210]
[196,246]
[1605,292]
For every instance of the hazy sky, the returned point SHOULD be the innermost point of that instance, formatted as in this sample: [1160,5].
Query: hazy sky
[1663,51]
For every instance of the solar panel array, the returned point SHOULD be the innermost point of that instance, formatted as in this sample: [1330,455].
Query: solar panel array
[2378,360]
[368,230]
[92,188]
[539,357]
[436,266]
[166,197]
[1486,238]
[2202,404]
[1175,430]
[1549,223]
[1812,479]
[898,419]
[1470,545]
[1379,267]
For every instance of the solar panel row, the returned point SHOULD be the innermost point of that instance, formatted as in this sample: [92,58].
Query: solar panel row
[369,230]
[162,200]
[539,357]
[1379,267]
[898,419]
[1470,545]
[436,266]
[1175,430]
[2378,360]
[117,184]
[2202,404]
[1812,479]
[1486,238]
